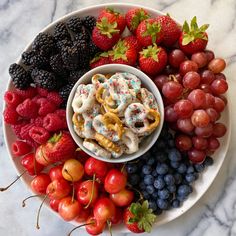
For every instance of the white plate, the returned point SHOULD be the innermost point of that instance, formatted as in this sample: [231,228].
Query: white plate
[201,185]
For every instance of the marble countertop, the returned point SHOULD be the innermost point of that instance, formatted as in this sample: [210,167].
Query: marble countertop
[215,213]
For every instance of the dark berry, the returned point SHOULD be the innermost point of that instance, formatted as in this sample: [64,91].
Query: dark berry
[160,144]
[44,43]
[154,173]
[155,194]
[89,22]
[174,164]
[159,183]
[134,179]
[171,188]
[63,43]
[169,179]
[190,178]
[171,143]
[178,178]
[131,168]
[175,203]
[93,49]
[147,169]
[65,91]
[174,155]
[148,179]
[190,170]
[199,167]
[183,190]
[76,75]
[161,156]
[162,204]
[82,35]
[142,185]
[150,189]
[208,161]
[163,194]
[70,57]
[158,211]
[151,161]
[152,205]
[61,32]
[162,168]
[146,195]
[57,64]
[74,24]
[182,168]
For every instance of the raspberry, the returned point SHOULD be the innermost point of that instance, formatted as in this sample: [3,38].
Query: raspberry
[17,128]
[10,116]
[20,148]
[28,93]
[52,122]
[12,99]
[39,134]
[28,109]
[62,114]
[45,106]
[38,121]
[32,143]
[55,98]
[42,92]
[24,132]
[35,98]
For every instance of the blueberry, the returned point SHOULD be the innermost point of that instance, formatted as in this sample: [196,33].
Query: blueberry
[174,164]
[150,189]
[199,167]
[169,179]
[159,183]
[154,173]
[131,168]
[151,161]
[152,205]
[175,203]
[184,190]
[190,188]
[158,211]
[160,144]
[162,204]
[190,170]
[146,195]
[208,161]
[171,143]
[174,154]
[163,194]
[171,188]
[181,198]
[148,179]
[155,194]
[168,136]
[161,156]
[164,132]
[190,178]
[182,168]
[142,185]
[178,178]
[147,169]
[145,156]
[162,168]
[134,179]
[196,175]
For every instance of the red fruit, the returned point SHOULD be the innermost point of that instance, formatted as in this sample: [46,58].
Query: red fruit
[72,170]
[183,142]
[17,128]
[148,32]
[52,122]
[118,217]
[122,53]
[45,106]
[69,209]
[176,57]
[83,215]
[133,42]
[12,99]
[27,93]
[85,194]
[196,156]
[187,66]
[139,218]
[31,165]
[193,39]
[20,148]
[104,209]
[42,92]
[171,30]
[93,166]
[172,90]
[153,59]
[38,121]
[219,130]
[199,143]
[10,116]
[183,108]
[62,114]
[39,183]
[58,189]
[99,60]
[40,156]
[115,181]
[94,226]
[56,172]
[60,147]
[134,17]
[27,109]
[55,98]
[54,203]
[213,143]
[122,198]
[39,134]
[24,132]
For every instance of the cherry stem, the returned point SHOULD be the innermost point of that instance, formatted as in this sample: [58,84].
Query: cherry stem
[73,186]
[18,177]
[40,207]
[91,196]
[77,227]
[136,190]
[123,167]
[109,227]
[23,202]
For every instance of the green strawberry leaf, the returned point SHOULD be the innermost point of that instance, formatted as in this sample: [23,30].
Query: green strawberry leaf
[194,25]
[186,27]
[151,51]
[107,28]
[119,51]
[203,28]
[112,10]
[55,138]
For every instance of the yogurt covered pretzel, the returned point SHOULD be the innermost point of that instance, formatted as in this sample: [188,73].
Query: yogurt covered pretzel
[98,80]
[147,99]
[130,141]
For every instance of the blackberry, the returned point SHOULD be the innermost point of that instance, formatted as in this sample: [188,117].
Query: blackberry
[83,61]
[44,43]
[81,46]
[93,49]
[63,43]
[20,77]
[70,57]
[61,32]
[65,91]
[75,75]
[26,57]
[44,79]
[82,35]
[74,24]
[34,58]
[57,64]
[89,22]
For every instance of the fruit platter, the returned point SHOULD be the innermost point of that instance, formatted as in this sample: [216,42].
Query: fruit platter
[116,118]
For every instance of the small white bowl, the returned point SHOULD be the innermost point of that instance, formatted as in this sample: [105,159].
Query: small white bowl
[147,143]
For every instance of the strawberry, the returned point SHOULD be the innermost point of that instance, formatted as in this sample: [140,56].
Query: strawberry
[59,147]
[113,16]
[152,59]
[139,218]
[105,34]
[99,60]
[132,41]
[171,30]
[123,53]
[193,39]
[133,18]
[149,31]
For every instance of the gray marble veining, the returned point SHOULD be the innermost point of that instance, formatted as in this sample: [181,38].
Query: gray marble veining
[215,213]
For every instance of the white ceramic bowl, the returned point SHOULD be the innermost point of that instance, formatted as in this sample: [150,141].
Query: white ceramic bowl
[147,143]
[200,186]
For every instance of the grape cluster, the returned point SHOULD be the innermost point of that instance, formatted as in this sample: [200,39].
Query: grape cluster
[193,95]
[164,175]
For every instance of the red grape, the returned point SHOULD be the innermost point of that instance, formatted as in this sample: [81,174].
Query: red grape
[210,100]
[187,66]
[170,114]
[210,55]
[200,58]
[196,156]
[200,118]
[223,98]
[200,143]
[191,80]
[178,77]
[217,65]
[172,90]
[213,114]
[183,108]
[160,80]
[197,97]
[219,86]
[176,57]
[183,142]
[219,104]
[185,125]
[204,132]
[205,88]
[213,143]
[207,77]
[220,76]
[219,130]
[169,70]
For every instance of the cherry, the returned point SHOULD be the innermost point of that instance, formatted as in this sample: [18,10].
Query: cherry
[122,198]
[56,172]
[93,166]
[94,226]
[72,170]
[69,208]
[54,203]
[40,157]
[39,183]
[83,215]
[115,181]
[58,189]
[118,217]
